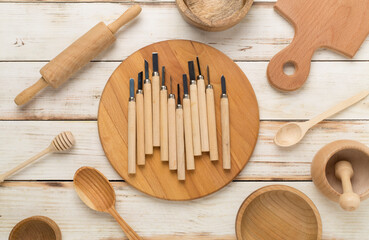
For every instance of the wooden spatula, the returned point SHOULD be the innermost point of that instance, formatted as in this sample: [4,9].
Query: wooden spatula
[340,25]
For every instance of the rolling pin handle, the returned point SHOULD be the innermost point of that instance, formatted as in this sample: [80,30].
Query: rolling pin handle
[127,16]
[30,92]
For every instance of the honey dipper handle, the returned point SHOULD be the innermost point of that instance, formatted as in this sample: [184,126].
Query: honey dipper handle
[349,200]
[127,16]
[25,163]
[30,92]
[130,233]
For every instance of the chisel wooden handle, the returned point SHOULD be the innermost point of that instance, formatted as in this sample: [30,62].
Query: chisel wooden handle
[131,137]
[140,118]
[164,125]
[148,118]
[203,116]
[181,168]
[78,54]
[190,160]
[226,148]
[172,132]
[195,120]
[156,110]
[212,124]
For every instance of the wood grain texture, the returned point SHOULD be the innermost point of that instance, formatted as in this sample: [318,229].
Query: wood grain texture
[36,227]
[79,98]
[140,117]
[131,131]
[175,55]
[190,159]
[212,124]
[278,212]
[213,15]
[181,161]
[209,218]
[195,120]
[172,145]
[338,25]
[164,125]
[269,162]
[259,36]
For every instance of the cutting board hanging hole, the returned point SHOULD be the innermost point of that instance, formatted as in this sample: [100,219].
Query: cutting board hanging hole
[289,68]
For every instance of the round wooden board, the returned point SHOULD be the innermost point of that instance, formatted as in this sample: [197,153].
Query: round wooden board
[155,178]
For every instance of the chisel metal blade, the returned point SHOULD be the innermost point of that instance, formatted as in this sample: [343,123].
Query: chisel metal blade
[140,79]
[163,76]
[131,88]
[146,70]
[185,87]
[191,70]
[155,62]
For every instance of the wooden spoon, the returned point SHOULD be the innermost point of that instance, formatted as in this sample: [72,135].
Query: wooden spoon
[96,192]
[36,227]
[349,200]
[291,133]
[62,142]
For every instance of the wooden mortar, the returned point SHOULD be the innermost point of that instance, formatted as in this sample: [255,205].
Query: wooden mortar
[323,168]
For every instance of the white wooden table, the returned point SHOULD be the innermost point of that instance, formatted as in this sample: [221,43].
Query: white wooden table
[33,32]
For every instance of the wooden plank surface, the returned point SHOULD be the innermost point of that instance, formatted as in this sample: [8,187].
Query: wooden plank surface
[20,140]
[39,31]
[80,96]
[209,218]
[32,32]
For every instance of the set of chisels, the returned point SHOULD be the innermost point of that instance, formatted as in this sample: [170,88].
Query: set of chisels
[183,127]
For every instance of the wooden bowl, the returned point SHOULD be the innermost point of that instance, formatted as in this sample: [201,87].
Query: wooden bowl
[213,15]
[278,212]
[323,168]
[36,228]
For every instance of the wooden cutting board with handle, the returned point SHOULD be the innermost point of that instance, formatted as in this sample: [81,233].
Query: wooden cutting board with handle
[340,25]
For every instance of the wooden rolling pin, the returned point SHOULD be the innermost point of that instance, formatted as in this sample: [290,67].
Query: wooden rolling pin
[212,124]
[181,165]
[155,101]
[202,110]
[224,115]
[349,200]
[131,128]
[190,160]
[163,118]
[73,58]
[172,144]
[140,119]
[194,111]
[62,142]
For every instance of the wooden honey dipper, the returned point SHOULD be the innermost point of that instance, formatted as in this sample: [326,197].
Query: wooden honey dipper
[60,143]
[349,200]
[78,54]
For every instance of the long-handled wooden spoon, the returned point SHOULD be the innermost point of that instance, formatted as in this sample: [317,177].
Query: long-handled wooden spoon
[291,133]
[94,189]
[62,142]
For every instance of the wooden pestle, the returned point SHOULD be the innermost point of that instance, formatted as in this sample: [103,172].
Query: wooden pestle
[62,142]
[78,54]
[349,200]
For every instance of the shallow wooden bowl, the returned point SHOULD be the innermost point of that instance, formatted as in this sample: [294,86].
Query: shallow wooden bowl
[323,168]
[36,228]
[213,15]
[278,212]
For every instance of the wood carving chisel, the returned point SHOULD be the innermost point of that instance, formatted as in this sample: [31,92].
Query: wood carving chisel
[212,124]
[163,118]
[78,54]
[155,101]
[181,167]
[131,128]
[202,110]
[224,115]
[148,112]
[140,118]
[194,111]
[190,161]
[172,144]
